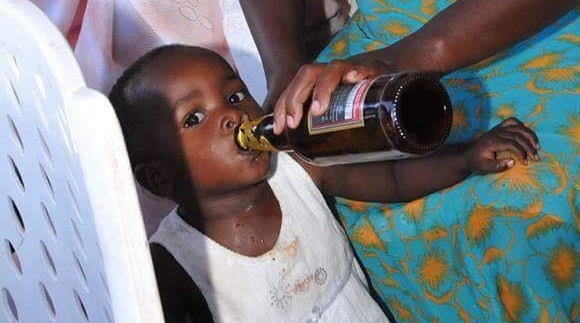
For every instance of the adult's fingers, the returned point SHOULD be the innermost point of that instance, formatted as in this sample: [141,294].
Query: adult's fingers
[318,81]
[280,113]
[326,84]
[359,73]
[289,107]
[335,73]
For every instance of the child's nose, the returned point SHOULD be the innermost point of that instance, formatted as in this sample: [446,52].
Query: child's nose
[232,119]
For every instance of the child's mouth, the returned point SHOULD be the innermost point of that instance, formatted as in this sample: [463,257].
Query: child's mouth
[250,153]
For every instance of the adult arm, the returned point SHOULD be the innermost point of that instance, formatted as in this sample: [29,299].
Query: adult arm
[469,31]
[278,28]
[464,33]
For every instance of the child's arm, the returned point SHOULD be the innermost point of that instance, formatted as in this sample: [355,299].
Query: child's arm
[405,180]
[180,297]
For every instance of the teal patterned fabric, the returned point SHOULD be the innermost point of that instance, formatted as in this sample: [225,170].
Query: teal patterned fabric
[503,247]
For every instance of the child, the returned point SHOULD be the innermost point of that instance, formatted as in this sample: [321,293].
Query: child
[252,240]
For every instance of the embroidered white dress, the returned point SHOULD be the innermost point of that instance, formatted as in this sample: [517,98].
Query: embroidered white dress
[310,275]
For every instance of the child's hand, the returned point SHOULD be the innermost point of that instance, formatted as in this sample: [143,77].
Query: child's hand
[510,136]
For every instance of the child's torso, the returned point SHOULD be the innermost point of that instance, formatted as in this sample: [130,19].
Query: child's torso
[309,275]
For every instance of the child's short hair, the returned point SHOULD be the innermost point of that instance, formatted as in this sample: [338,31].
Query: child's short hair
[138,106]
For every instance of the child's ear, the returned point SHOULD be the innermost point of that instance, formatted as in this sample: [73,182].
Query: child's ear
[156,178]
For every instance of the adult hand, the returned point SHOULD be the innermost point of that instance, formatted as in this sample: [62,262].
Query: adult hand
[319,81]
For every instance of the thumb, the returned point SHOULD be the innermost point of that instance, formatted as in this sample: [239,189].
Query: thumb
[496,166]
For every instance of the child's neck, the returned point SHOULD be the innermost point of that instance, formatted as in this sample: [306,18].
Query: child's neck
[247,221]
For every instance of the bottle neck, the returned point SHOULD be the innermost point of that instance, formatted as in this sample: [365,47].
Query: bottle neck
[259,135]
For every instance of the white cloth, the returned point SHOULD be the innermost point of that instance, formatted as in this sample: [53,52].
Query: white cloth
[117,32]
[310,275]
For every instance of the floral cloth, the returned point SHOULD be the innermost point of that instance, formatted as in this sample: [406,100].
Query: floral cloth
[502,247]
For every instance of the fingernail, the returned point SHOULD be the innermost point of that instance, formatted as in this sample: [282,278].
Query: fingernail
[290,121]
[510,163]
[352,73]
[315,107]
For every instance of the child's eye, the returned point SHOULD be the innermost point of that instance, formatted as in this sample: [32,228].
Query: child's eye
[237,97]
[193,119]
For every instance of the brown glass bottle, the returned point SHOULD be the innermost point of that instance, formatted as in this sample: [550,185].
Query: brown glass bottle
[391,117]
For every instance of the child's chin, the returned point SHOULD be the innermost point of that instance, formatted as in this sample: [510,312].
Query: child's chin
[259,166]
[255,155]
[262,158]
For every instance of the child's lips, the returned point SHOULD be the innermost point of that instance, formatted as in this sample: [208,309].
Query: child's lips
[250,153]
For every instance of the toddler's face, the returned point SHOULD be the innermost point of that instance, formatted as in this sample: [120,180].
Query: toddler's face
[208,100]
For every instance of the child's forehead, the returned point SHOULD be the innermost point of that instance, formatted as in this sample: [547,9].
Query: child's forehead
[196,60]
[177,76]
[188,69]
[178,67]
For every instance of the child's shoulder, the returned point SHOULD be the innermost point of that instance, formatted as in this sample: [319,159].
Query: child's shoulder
[293,167]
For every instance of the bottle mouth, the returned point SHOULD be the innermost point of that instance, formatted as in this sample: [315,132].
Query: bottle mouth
[248,136]
[425,116]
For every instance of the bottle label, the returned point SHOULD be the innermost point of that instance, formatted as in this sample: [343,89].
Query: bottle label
[345,109]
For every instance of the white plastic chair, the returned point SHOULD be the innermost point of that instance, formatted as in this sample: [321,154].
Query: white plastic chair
[72,241]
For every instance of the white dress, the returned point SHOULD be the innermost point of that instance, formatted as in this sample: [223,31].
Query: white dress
[310,275]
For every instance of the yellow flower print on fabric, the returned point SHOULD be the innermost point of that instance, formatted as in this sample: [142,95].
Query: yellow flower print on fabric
[543,61]
[552,165]
[562,266]
[339,47]
[491,255]
[571,38]
[520,178]
[356,206]
[402,312]
[533,88]
[415,209]
[505,111]
[396,28]
[435,234]
[560,75]
[366,236]
[544,225]
[512,298]
[432,268]
[479,223]
[459,119]
[574,312]
[572,129]
[428,7]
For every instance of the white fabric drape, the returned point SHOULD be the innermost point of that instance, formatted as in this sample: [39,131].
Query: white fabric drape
[116,32]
